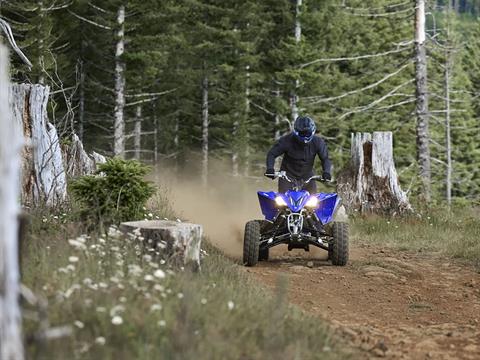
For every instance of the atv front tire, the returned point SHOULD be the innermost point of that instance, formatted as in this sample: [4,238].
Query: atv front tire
[251,243]
[338,248]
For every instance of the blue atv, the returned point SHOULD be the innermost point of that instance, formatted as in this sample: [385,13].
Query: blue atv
[298,219]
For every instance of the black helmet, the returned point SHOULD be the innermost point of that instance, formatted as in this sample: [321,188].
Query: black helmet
[304,128]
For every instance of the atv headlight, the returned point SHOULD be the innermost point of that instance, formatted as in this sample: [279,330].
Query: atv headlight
[280,201]
[312,202]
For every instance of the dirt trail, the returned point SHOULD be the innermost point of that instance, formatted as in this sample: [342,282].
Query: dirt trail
[391,304]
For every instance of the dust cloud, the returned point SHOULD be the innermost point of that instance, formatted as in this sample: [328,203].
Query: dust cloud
[222,208]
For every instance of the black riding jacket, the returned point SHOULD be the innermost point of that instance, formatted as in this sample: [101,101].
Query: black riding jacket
[298,157]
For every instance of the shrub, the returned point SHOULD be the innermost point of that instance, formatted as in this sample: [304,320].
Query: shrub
[117,192]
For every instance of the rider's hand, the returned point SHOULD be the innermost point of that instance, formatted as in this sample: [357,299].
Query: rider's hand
[326,176]
[270,173]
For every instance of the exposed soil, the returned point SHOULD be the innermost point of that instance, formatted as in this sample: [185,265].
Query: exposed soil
[391,304]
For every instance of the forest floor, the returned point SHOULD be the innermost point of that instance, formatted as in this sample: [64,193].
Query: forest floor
[390,303]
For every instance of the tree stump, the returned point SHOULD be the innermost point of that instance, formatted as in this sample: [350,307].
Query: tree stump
[177,240]
[77,161]
[44,179]
[369,184]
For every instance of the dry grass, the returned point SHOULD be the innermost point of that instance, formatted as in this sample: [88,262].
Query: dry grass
[452,234]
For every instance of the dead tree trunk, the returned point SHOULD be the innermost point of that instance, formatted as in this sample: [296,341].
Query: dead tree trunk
[246,168]
[119,123]
[448,137]
[11,347]
[43,180]
[81,102]
[370,184]
[137,133]
[205,124]
[421,109]
[298,37]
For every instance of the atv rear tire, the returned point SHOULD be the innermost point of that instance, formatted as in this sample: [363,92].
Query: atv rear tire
[251,243]
[338,251]
[263,254]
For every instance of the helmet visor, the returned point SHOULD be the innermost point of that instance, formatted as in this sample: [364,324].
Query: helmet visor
[305,133]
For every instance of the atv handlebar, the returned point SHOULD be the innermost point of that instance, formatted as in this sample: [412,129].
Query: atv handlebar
[283,175]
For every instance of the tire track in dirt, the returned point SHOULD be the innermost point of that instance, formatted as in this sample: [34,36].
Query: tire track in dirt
[391,304]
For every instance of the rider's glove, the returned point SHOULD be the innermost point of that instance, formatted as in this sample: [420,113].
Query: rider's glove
[326,176]
[270,173]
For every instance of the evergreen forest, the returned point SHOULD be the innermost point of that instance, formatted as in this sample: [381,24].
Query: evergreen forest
[191,81]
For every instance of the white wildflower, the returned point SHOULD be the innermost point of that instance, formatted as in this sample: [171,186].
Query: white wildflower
[159,273]
[71,290]
[156,307]
[117,320]
[101,309]
[162,323]
[203,301]
[134,270]
[149,277]
[102,241]
[100,340]
[70,267]
[147,257]
[159,287]
[122,299]
[103,285]
[180,295]
[150,215]
[78,324]
[231,305]
[77,244]
[73,259]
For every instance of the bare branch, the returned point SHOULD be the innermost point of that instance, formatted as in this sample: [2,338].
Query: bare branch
[377,101]
[359,57]
[8,32]
[356,91]
[90,21]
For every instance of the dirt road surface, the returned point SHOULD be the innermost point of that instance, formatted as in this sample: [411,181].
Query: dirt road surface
[394,305]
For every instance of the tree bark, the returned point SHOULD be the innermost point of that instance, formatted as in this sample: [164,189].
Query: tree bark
[298,38]
[448,139]
[205,124]
[277,118]
[246,168]
[81,102]
[119,122]
[180,242]
[44,180]
[369,184]
[421,110]
[137,133]
[11,346]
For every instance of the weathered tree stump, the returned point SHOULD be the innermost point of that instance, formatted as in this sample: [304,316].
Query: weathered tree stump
[45,163]
[177,240]
[369,184]
[44,179]
[77,161]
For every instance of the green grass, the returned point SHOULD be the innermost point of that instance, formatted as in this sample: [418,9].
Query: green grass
[219,313]
[453,234]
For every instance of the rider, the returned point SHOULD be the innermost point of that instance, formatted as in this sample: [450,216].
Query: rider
[299,149]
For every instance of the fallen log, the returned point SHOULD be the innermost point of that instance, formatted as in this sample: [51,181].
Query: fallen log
[178,241]
[369,183]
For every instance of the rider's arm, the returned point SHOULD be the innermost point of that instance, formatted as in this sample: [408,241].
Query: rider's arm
[278,149]
[322,152]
